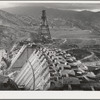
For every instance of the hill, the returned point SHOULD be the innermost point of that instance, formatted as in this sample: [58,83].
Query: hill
[13,27]
[83,19]
[83,25]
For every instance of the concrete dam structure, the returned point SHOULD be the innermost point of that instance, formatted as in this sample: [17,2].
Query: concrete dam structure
[50,69]
[37,65]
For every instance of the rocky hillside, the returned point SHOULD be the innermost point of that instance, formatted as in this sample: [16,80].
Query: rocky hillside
[21,21]
[14,28]
[83,19]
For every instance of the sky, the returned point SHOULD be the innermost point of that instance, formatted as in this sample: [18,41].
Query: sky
[79,6]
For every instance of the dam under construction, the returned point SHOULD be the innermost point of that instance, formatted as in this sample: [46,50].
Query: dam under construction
[37,64]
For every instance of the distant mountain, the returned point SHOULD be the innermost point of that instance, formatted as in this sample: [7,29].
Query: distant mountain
[19,21]
[83,19]
[13,27]
[9,19]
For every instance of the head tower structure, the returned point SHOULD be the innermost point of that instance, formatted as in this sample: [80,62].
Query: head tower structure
[44,31]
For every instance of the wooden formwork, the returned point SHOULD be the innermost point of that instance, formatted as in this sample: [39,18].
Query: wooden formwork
[35,73]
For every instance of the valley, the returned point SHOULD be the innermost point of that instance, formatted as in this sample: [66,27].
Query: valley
[48,48]
[71,30]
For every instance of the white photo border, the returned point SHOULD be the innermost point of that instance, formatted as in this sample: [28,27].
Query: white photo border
[50,94]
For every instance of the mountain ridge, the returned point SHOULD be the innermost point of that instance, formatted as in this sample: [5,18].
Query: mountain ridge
[24,19]
[81,19]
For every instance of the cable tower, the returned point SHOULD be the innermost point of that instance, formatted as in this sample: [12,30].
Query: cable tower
[44,31]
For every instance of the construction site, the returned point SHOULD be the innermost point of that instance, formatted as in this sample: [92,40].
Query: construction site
[36,64]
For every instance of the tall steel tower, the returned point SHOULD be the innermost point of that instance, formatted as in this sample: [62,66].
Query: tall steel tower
[44,31]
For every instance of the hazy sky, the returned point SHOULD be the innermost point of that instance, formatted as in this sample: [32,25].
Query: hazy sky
[93,6]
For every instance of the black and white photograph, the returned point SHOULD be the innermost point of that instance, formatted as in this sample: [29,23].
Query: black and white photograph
[49,46]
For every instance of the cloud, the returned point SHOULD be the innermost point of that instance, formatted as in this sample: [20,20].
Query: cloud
[6,4]
[63,6]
